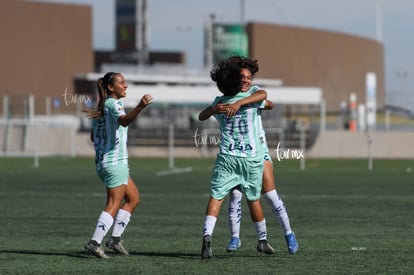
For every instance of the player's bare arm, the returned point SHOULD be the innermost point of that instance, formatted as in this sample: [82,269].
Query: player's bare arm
[253,98]
[129,117]
[268,105]
[209,111]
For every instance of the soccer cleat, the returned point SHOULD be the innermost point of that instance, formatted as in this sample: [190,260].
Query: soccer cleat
[234,244]
[206,252]
[265,247]
[92,247]
[116,245]
[292,244]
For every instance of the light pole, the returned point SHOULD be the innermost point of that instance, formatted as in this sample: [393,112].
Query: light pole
[379,21]
[401,76]
[184,30]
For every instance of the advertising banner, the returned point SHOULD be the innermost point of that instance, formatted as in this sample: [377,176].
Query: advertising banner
[228,39]
[126,25]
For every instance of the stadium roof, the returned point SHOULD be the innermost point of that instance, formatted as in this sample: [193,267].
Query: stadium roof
[167,94]
[187,89]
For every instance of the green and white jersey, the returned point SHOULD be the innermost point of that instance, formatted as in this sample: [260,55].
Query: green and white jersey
[110,138]
[262,132]
[240,133]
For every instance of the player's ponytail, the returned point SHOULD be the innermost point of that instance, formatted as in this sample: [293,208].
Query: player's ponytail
[103,92]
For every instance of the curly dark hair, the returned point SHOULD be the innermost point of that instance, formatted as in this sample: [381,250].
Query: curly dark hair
[226,73]
[246,63]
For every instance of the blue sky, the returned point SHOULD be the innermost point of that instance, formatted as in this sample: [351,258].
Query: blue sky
[178,25]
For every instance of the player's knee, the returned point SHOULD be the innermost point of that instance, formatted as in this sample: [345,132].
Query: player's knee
[134,201]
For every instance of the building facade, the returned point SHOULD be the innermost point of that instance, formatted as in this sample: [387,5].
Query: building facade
[44,46]
[335,62]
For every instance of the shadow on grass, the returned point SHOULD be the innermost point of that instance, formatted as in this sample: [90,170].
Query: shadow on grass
[84,255]
[192,256]
[77,254]
[165,254]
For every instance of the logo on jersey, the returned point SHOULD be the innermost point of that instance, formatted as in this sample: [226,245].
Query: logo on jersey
[240,147]
[119,108]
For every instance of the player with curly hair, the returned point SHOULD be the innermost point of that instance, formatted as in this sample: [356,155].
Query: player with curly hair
[249,68]
[240,160]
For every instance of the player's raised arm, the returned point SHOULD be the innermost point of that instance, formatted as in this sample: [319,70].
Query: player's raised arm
[129,117]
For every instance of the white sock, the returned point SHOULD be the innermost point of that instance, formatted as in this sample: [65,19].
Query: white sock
[121,221]
[261,230]
[209,224]
[235,212]
[103,225]
[279,210]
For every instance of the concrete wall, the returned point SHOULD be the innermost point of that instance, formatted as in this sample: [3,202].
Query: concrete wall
[330,145]
[44,136]
[341,144]
[63,139]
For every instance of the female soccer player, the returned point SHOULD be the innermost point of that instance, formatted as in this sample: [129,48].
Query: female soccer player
[240,160]
[109,135]
[249,68]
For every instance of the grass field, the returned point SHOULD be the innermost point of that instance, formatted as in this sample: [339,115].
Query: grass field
[348,220]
